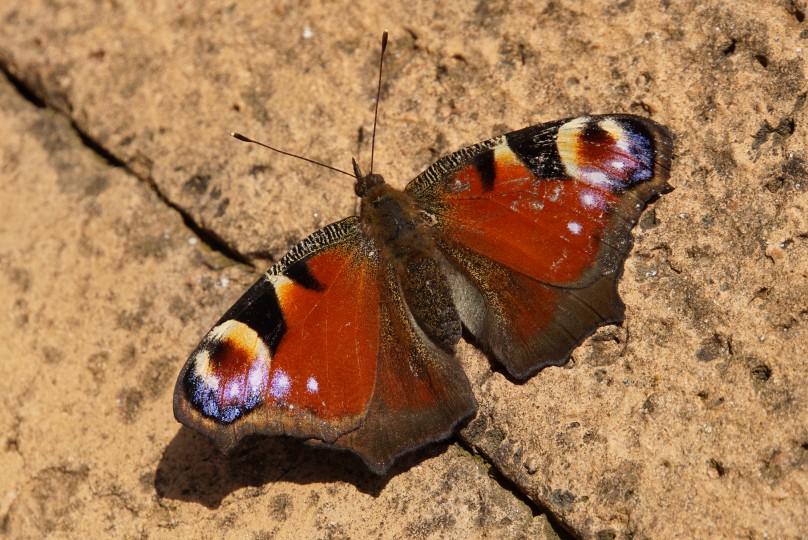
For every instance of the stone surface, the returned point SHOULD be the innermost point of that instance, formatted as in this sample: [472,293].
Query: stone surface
[101,282]
[690,419]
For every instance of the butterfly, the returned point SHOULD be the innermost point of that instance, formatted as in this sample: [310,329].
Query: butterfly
[349,340]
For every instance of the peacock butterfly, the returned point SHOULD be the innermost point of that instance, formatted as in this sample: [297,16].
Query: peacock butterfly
[349,339]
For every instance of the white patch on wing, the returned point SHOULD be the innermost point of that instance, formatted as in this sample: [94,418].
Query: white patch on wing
[280,385]
[613,128]
[567,140]
[257,377]
[504,156]
[220,332]
[596,178]
[574,228]
[233,390]
[203,371]
[312,386]
[279,283]
[591,199]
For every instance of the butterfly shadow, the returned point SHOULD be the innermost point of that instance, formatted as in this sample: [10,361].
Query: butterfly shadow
[192,469]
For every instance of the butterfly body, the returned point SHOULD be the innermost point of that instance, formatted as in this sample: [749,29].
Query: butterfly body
[400,232]
[349,339]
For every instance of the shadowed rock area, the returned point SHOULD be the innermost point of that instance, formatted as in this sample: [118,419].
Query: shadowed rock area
[132,221]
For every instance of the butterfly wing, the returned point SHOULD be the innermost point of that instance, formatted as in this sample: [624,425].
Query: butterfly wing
[322,348]
[297,353]
[422,391]
[535,226]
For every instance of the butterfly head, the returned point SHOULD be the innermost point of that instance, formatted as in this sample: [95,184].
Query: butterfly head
[365,182]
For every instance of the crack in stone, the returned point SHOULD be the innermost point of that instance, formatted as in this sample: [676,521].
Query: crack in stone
[563,531]
[207,236]
[24,90]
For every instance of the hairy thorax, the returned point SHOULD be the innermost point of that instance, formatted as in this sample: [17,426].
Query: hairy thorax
[390,217]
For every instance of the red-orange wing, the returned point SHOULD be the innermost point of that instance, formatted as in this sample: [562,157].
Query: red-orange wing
[535,226]
[297,353]
[321,348]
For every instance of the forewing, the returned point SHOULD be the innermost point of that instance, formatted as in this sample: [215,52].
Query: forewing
[536,225]
[298,353]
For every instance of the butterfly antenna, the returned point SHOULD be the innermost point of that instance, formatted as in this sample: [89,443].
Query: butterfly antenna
[241,137]
[378,97]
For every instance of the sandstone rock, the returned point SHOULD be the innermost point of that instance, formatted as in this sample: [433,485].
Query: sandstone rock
[688,420]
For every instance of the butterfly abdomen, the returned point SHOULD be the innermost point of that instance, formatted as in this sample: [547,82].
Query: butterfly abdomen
[429,298]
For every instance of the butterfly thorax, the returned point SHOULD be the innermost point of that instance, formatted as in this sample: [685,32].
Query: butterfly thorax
[390,217]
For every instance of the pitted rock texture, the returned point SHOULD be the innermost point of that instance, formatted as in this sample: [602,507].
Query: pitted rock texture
[125,202]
